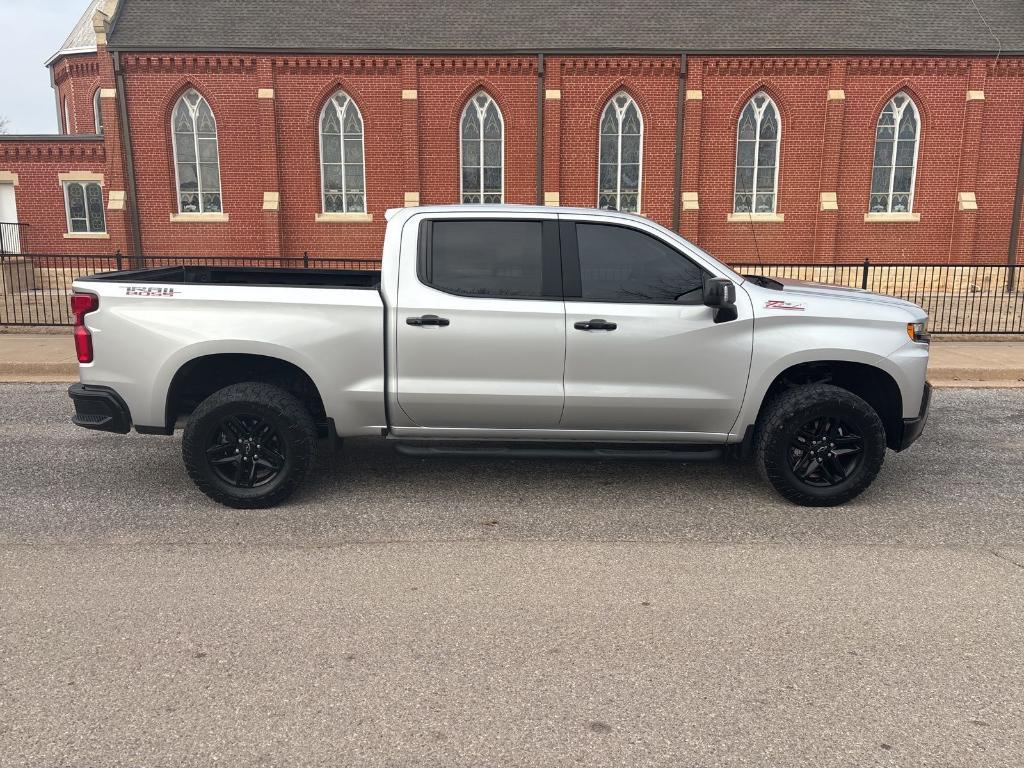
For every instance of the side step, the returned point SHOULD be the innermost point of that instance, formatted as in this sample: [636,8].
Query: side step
[655,452]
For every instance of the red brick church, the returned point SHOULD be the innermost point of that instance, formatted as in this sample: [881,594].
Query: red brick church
[824,131]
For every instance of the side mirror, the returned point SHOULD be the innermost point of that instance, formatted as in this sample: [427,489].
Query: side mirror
[720,295]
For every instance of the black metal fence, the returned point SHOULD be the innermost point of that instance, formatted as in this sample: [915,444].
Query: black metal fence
[34,289]
[977,298]
[959,298]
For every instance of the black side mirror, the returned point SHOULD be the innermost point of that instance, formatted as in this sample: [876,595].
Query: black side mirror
[720,294]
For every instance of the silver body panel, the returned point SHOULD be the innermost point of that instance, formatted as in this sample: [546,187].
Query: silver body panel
[506,368]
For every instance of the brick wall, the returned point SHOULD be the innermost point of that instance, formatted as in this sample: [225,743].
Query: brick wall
[411,108]
[39,193]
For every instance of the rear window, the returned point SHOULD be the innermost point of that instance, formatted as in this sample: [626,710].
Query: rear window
[497,259]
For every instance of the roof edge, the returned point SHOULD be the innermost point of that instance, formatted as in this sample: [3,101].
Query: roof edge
[282,51]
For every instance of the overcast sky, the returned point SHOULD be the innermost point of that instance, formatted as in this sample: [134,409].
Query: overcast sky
[32,31]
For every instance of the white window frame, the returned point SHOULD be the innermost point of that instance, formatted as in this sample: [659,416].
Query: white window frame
[362,145]
[85,197]
[471,103]
[898,116]
[97,113]
[758,116]
[610,104]
[195,141]
[67,117]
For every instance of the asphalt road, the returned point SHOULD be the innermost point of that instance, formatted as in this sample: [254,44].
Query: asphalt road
[442,612]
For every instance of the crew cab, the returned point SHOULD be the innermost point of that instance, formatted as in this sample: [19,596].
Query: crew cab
[516,330]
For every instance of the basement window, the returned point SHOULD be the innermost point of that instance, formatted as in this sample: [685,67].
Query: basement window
[83,202]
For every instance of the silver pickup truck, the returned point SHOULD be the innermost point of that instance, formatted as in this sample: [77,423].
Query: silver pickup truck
[517,330]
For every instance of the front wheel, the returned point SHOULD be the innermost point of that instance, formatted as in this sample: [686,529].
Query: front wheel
[820,445]
[249,445]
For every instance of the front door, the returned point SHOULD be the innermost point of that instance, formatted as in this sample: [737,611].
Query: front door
[480,326]
[658,362]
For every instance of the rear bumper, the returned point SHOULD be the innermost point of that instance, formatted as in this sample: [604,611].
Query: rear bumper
[912,428]
[100,408]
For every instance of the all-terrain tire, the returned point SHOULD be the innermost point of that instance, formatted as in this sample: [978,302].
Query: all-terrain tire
[294,443]
[789,413]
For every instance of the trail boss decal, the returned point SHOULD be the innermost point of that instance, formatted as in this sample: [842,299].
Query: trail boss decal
[778,304]
[150,292]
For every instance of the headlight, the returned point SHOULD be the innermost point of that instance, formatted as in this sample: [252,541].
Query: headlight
[918,332]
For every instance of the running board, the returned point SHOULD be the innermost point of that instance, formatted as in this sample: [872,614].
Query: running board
[693,453]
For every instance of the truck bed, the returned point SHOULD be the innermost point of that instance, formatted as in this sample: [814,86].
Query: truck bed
[255,276]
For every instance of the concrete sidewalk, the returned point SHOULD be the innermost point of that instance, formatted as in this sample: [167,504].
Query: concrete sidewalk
[48,357]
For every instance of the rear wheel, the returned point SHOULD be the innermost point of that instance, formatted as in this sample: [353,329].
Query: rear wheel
[820,445]
[249,445]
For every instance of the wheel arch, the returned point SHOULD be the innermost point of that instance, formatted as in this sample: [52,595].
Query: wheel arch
[873,384]
[199,377]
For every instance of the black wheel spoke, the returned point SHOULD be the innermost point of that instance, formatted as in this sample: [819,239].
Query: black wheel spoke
[273,459]
[803,465]
[246,451]
[221,450]
[829,472]
[825,451]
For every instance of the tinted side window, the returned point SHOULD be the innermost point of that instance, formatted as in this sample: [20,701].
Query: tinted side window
[500,259]
[626,266]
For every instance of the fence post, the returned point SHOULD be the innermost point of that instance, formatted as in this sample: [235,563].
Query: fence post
[305,259]
[118,257]
[864,276]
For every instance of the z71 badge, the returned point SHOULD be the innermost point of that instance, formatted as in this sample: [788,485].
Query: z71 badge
[150,292]
[777,304]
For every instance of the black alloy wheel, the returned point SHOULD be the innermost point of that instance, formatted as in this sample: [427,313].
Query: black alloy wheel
[825,452]
[245,451]
[819,445]
[249,445]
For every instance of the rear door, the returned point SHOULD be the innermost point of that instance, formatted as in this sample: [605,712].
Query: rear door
[643,354]
[480,326]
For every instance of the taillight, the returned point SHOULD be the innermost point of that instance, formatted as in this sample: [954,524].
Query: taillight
[81,305]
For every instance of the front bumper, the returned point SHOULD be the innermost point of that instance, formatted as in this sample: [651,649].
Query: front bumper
[100,408]
[912,428]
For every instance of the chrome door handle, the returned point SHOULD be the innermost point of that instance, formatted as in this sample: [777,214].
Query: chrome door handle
[595,325]
[428,320]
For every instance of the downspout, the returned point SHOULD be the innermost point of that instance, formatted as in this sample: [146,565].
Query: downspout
[129,160]
[1018,212]
[680,112]
[540,129]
